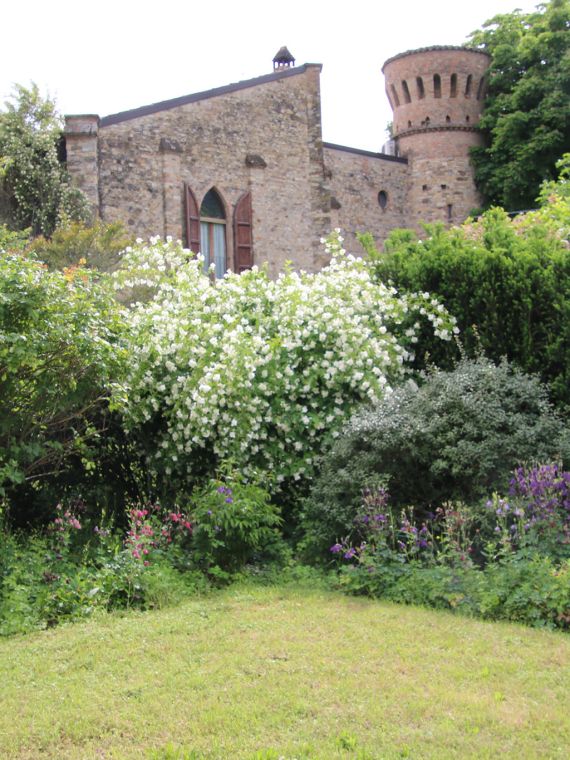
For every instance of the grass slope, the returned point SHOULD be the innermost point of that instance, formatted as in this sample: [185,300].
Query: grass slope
[272,673]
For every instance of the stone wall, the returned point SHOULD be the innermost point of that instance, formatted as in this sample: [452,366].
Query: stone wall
[357,179]
[265,139]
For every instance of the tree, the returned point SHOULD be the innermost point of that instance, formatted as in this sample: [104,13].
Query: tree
[526,120]
[35,191]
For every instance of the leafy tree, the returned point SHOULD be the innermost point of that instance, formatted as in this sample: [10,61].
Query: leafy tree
[35,190]
[526,120]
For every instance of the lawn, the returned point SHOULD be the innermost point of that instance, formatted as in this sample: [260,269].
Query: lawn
[285,672]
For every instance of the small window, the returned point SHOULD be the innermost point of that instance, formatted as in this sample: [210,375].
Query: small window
[443,187]
[468,85]
[448,119]
[436,86]
[467,118]
[409,124]
[449,212]
[382,199]
[424,188]
[453,86]
[406,92]
[481,88]
[395,95]
[420,86]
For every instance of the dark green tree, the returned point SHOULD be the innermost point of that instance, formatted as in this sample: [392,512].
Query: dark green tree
[35,191]
[526,121]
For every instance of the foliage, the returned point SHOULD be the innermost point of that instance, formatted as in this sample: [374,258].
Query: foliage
[97,246]
[527,111]
[13,240]
[58,353]
[523,575]
[75,569]
[457,437]
[235,522]
[256,371]
[35,188]
[507,281]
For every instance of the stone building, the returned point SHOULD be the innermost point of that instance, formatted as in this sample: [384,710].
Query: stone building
[242,174]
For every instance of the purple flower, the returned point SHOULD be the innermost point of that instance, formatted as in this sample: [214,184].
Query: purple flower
[229,500]
[336,548]
[350,553]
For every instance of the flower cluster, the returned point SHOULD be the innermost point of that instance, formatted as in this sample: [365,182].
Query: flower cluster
[254,370]
[153,529]
[545,491]
[64,525]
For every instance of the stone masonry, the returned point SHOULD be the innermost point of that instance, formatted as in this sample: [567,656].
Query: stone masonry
[262,139]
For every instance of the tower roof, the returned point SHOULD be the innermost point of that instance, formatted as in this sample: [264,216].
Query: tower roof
[283,58]
[464,48]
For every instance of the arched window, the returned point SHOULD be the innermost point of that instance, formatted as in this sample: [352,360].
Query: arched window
[453,86]
[395,95]
[468,85]
[420,86]
[481,89]
[208,232]
[213,232]
[436,86]
[406,91]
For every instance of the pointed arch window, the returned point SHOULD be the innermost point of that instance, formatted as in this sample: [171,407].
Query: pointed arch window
[213,233]
[208,231]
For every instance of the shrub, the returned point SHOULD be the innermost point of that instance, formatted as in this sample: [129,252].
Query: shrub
[508,277]
[455,438]
[234,522]
[96,246]
[59,350]
[256,371]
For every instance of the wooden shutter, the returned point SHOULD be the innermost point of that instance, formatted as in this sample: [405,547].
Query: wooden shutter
[192,221]
[243,240]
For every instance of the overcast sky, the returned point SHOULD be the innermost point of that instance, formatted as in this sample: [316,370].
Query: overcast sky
[106,56]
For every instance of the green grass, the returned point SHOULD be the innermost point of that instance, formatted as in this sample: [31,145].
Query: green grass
[268,673]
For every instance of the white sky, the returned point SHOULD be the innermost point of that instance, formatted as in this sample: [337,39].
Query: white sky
[104,56]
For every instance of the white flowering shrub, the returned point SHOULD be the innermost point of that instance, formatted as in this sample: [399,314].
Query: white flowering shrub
[256,371]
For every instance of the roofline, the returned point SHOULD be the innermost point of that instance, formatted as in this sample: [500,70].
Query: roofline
[435,48]
[164,105]
[371,154]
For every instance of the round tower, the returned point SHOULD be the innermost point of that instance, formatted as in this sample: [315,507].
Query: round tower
[437,96]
